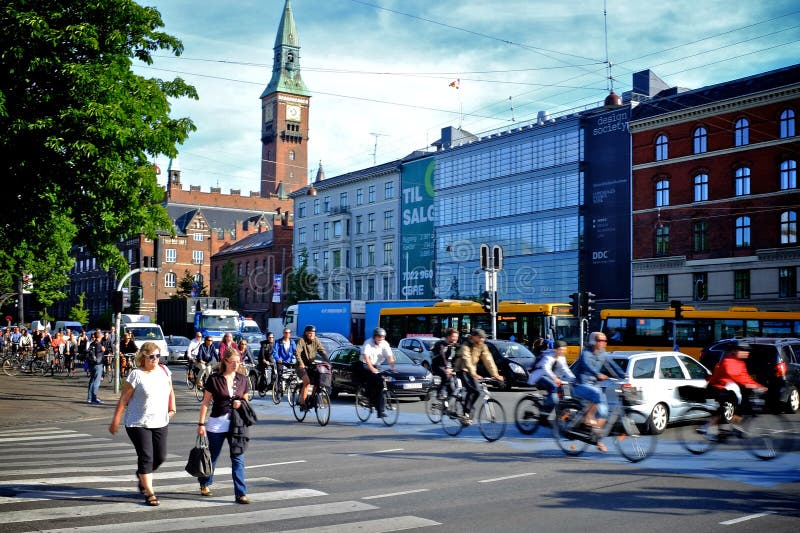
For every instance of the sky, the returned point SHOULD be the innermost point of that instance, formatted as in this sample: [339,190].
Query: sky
[380,70]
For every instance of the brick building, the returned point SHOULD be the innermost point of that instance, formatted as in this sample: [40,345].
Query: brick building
[715,196]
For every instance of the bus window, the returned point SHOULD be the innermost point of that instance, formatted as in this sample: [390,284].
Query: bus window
[726,329]
[616,330]
[775,328]
[650,330]
[751,328]
[567,330]
[704,332]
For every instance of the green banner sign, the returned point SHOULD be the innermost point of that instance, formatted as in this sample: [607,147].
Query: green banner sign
[417,245]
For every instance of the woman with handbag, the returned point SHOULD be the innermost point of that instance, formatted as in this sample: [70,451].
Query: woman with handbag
[149,404]
[224,392]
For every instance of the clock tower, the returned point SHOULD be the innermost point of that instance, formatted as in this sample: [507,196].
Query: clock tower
[284,115]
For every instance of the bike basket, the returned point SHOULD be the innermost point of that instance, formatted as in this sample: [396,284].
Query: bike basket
[324,373]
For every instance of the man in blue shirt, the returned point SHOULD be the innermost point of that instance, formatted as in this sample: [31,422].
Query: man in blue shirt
[588,370]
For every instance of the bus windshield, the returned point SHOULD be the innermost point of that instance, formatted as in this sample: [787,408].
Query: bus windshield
[219,323]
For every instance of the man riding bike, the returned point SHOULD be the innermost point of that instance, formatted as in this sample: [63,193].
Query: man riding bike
[206,355]
[374,352]
[283,353]
[308,347]
[548,372]
[466,367]
[444,354]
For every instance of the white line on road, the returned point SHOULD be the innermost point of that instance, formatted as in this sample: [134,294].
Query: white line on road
[37,431]
[746,518]
[381,525]
[379,451]
[278,464]
[63,447]
[8,440]
[108,456]
[506,477]
[78,467]
[394,494]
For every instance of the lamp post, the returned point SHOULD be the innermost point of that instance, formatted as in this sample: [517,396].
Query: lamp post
[121,283]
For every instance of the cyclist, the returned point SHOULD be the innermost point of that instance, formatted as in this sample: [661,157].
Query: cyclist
[466,366]
[70,352]
[730,375]
[25,342]
[127,349]
[548,372]
[14,337]
[206,355]
[308,347]
[444,353]
[244,352]
[283,353]
[226,343]
[374,352]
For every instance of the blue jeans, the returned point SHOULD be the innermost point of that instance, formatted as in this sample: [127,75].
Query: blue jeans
[96,376]
[594,395]
[215,442]
[551,398]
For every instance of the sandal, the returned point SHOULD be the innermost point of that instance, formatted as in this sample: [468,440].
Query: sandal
[602,447]
[152,501]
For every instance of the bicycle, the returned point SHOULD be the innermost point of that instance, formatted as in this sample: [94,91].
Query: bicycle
[391,405]
[528,411]
[317,399]
[623,423]
[764,434]
[285,385]
[252,378]
[491,416]
[201,375]
[435,397]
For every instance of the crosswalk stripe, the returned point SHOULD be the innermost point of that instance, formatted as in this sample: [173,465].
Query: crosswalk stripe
[63,449]
[33,431]
[58,459]
[227,520]
[77,467]
[62,436]
[381,525]
[167,504]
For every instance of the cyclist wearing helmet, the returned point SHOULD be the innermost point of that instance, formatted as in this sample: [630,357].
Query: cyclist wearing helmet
[374,352]
[308,347]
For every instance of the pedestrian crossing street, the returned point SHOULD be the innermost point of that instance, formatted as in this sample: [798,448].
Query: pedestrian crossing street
[59,480]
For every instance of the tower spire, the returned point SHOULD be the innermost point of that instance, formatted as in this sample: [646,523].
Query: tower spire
[286,60]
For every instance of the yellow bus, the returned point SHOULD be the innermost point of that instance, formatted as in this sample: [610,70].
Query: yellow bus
[652,329]
[522,321]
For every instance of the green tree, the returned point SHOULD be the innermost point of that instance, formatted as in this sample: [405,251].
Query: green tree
[301,283]
[78,312]
[78,129]
[186,285]
[229,284]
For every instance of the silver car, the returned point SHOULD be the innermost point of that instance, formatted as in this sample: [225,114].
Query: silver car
[177,346]
[657,376]
[419,348]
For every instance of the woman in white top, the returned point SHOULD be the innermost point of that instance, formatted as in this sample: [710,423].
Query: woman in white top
[149,403]
[549,372]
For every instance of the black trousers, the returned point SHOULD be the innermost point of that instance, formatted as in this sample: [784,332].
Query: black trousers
[473,391]
[373,383]
[151,447]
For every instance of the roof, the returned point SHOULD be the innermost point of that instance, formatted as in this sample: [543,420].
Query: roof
[218,218]
[719,92]
[364,173]
[256,241]
[286,80]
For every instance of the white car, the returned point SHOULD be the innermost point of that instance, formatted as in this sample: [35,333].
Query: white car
[657,376]
[421,348]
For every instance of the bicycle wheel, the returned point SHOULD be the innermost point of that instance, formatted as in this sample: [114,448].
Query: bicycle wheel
[453,416]
[199,390]
[363,407]
[767,436]
[323,407]
[11,366]
[37,366]
[251,386]
[492,420]
[391,408]
[297,410]
[527,413]
[697,436]
[190,378]
[108,375]
[277,391]
[433,406]
[566,439]
[632,443]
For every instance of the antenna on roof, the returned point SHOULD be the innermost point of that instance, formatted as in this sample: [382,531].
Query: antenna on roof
[511,105]
[375,147]
[613,99]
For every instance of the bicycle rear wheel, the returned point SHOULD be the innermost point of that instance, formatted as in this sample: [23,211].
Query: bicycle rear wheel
[37,366]
[190,377]
[527,413]
[697,435]
[323,407]
[767,436]
[11,366]
[277,391]
[632,443]
[391,408]
[492,420]
[433,406]
[251,385]
[199,390]
[295,396]
[567,441]
[452,416]
[363,407]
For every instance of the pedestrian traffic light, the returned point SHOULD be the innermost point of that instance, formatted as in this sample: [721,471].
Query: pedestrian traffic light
[486,301]
[588,304]
[575,305]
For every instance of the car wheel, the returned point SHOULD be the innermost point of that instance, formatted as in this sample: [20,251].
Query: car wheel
[659,417]
[728,408]
[793,402]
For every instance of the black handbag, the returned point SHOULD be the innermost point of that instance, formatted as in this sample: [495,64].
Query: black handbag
[199,463]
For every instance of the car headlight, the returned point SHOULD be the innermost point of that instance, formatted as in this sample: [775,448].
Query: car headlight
[390,379]
[515,368]
[428,376]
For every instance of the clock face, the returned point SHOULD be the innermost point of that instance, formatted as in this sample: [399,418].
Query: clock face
[293,113]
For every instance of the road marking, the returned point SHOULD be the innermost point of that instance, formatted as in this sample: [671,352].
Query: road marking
[379,451]
[506,477]
[278,464]
[109,456]
[9,440]
[381,525]
[394,494]
[77,467]
[60,448]
[224,520]
[746,518]
[37,431]
[84,511]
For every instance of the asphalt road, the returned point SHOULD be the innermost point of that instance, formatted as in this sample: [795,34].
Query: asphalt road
[63,471]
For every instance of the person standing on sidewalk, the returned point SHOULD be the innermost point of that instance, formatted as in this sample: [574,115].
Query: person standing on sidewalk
[149,404]
[95,355]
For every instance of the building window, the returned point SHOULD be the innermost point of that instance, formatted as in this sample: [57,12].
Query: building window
[662,240]
[789,174]
[170,255]
[388,256]
[370,255]
[742,232]
[197,236]
[371,222]
[316,206]
[315,260]
[700,286]
[388,220]
[316,232]
[662,148]
[741,132]
[326,204]
[359,196]
[301,236]
[198,278]
[787,282]
[386,292]
[337,228]
[371,289]
[357,252]
[358,290]
[662,193]
[789,227]
[742,181]
[371,192]
[700,140]
[388,190]
[170,280]
[326,231]
[197,257]
[701,188]
[301,210]
[741,284]
[787,123]
[359,224]
[291,155]
[326,260]
[700,236]
[239,270]
[662,287]
[337,259]
[343,200]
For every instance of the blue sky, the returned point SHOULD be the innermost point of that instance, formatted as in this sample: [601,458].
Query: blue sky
[384,66]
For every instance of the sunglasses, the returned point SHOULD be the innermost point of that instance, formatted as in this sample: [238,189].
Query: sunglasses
[154,356]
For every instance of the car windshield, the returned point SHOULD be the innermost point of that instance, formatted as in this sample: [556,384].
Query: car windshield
[179,341]
[339,338]
[219,323]
[622,362]
[428,343]
[145,334]
[401,358]
[515,351]
[251,329]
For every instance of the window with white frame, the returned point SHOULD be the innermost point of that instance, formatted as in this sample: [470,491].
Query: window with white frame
[197,236]
[741,132]
[700,140]
[197,257]
[170,255]
[789,174]
[662,193]
[170,280]
[787,123]
[742,181]
[662,147]
[789,227]
[742,232]
[701,188]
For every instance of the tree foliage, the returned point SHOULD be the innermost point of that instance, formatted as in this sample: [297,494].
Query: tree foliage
[78,312]
[187,284]
[229,284]
[301,284]
[78,129]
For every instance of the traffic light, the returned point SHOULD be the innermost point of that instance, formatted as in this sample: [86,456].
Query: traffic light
[116,302]
[575,305]
[486,301]
[588,304]
[678,306]
[485,259]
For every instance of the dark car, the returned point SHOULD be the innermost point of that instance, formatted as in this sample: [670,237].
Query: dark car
[513,361]
[411,379]
[775,363]
[330,343]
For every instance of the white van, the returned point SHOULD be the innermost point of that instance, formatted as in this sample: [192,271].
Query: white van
[64,325]
[147,332]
